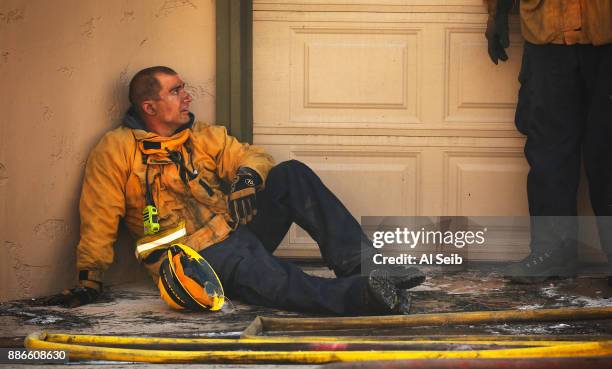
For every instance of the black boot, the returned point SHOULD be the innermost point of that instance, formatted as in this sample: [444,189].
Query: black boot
[384,298]
[539,266]
[604,224]
[406,277]
[381,295]
[553,251]
[405,301]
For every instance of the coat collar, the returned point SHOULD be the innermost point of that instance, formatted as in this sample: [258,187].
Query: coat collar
[132,120]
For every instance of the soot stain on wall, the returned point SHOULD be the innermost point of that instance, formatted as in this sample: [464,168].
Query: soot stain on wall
[200,91]
[52,229]
[128,16]
[114,111]
[66,70]
[171,5]
[123,75]
[3,174]
[89,27]
[12,16]
[20,270]
[47,113]
[63,146]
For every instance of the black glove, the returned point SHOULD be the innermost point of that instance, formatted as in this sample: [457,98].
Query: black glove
[497,31]
[72,298]
[242,205]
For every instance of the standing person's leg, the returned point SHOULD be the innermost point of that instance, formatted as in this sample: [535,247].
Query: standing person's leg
[551,114]
[597,149]
[248,271]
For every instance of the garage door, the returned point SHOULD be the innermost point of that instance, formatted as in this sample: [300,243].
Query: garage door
[395,104]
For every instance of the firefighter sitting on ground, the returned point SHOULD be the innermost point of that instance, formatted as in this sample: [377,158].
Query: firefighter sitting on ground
[169,167]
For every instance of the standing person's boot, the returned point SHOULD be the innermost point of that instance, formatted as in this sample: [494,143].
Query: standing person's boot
[553,251]
[606,244]
[604,225]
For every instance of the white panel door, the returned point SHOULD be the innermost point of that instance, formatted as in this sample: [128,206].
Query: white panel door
[395,104]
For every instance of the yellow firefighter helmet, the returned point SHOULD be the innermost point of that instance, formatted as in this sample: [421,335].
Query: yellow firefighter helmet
[187,281]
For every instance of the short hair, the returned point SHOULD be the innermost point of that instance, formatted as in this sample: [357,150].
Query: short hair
[145,85]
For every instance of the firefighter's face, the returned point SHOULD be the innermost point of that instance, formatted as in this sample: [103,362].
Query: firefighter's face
[172,106]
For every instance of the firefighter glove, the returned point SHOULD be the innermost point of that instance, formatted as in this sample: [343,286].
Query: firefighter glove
[497,31]
[242,205]
[72,298]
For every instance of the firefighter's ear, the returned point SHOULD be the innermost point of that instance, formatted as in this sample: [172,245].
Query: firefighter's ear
[148,107]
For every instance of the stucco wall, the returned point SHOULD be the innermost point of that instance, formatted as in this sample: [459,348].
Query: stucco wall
[64,67]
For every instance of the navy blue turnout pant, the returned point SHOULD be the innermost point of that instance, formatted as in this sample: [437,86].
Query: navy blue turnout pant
[565,109]
[249,271]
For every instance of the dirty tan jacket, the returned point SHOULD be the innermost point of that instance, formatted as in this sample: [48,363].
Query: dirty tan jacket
[564,21]
[114,188]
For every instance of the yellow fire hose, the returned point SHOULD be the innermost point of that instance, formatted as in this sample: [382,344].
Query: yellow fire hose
[421,320]
[262,340]
[82,352]
[85,347]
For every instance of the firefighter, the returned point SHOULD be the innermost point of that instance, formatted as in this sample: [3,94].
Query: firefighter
[565,110]
[192,184]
